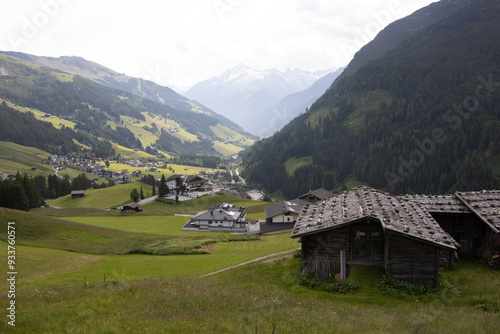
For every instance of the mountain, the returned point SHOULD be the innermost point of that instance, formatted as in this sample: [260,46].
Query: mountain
[267,122]
[91,113]
[137,86]
[242,91]
[423,117]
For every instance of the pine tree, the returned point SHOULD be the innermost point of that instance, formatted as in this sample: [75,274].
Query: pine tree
[162,189]
[134,195]
[142,194]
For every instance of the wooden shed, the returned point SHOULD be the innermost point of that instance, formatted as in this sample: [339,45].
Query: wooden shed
[77,193]
[471,218]
[369,227]
[131,208]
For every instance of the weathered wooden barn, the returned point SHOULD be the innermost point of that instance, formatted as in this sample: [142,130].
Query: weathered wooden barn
[131,208]
[471,218]
[369,227]
[77,193]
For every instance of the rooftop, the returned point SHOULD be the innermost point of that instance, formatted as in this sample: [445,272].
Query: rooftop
[394,213]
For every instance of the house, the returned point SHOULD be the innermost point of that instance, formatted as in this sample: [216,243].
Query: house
[284,212]
[316,195]
[220,217]
[194,182]
[471,218]
[370,227]
[182,183]
[77,193]
[177,183]
[131,208]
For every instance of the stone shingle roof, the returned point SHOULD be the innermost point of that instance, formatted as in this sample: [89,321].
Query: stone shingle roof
[485,204]
[439,203]
[394,213]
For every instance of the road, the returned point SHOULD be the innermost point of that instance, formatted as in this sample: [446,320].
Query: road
[238,173]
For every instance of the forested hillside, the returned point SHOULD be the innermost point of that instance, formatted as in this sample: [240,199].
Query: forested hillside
[423,117]
[136,86]
[104,113]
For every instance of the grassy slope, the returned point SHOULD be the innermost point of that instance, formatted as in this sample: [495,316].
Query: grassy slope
[14,157]
[235,300]
[102,198]
[56,121]
[294,163]
[158,294]
[48,232]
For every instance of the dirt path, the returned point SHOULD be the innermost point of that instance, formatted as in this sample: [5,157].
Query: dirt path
[280,254]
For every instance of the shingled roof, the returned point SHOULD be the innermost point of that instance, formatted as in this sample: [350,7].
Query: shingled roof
[485,204]
[394,213]
[284,207]
[439,203]
[318,194]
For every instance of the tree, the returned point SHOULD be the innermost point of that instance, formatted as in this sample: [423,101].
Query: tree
[142,194]
[134,195]
[162,188]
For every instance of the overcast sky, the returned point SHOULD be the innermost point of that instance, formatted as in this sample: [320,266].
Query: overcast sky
[178,43]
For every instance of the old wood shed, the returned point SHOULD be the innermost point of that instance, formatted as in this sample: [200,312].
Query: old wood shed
[471,218]
[369,227]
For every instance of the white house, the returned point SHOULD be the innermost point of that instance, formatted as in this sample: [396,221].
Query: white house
[220,217]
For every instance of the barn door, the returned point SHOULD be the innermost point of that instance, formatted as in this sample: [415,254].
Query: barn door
[367,245]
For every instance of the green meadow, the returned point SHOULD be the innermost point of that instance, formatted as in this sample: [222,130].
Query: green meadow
[14,158]
[102,198]
[88,270]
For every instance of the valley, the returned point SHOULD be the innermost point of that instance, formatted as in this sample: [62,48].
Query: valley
[351,199]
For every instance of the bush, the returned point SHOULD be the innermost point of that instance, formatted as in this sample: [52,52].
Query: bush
[308,279]
[392,286]
[344,286]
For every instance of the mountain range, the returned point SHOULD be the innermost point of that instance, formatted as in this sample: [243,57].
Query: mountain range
[416,111]
[93,104]
[245,95]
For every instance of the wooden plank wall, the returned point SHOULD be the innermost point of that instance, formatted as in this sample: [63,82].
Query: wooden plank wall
[412,261]
[321,251]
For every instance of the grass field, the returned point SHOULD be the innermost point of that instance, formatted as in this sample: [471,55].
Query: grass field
[54,120]
[293,164]
[14,157]
[74,277]
[176,169]
[102,198]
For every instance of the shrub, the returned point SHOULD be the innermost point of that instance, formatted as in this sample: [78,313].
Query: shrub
[392,286]
[308,279]
[344,286]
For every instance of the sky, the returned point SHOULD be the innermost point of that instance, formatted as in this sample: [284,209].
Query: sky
[179,43]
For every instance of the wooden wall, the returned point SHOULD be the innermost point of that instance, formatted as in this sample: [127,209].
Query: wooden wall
[321,251]
[411,260]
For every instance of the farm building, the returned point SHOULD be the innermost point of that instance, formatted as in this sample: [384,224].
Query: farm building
[77,193]
[369,227]
[220,217]
[316,195]
[131,208]
[471,218]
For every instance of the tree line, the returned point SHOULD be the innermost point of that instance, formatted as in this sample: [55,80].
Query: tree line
[27,192]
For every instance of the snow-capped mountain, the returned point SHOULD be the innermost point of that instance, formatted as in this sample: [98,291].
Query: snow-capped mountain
[241,91]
